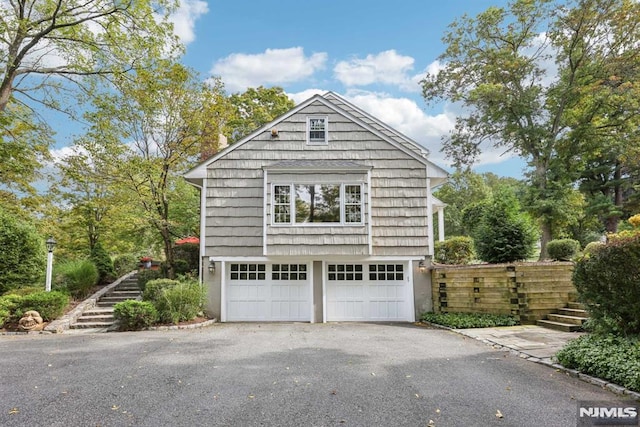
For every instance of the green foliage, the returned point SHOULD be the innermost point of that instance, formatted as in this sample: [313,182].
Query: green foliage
[175,301]
[455,250]
[592,247]
[187,258]
[76,277]
[181,302]
[504,233]
[124,264]
[8,304]
[145,276]
[135,315]
[611,358]
[469,320]
[153,288]
[50,305]
[22,258]
[607,282]
[102,260]
[563,249]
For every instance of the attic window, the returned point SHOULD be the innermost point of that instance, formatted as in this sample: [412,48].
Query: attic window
[317,132]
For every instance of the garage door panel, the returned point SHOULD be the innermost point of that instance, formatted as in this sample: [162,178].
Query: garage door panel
[382,294]
[268,295]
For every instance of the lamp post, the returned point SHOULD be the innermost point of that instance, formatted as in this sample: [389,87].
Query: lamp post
[51,243]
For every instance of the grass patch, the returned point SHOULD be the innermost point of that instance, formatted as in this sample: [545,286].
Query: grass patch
[608,357]
[469,320]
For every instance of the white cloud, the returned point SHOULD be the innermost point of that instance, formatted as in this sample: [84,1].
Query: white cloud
[298,97]
[185,17]
[386,67]
[272,67]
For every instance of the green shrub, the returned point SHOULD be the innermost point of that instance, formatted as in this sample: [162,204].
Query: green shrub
[188,253]
[8,304]
[135,315]
[77,277]
[146,275]
[181,302]
[25,290]
[23,257]
[592,247]
[175,301]
[125,264]
[455,250]
[608,357]
[607,283]
[504,234]
[563,249]
[50,305]
[153,289]
[469,320]
[102,260]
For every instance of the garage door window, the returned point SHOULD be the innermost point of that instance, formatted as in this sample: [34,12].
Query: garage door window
[248,272]
[289,272]
[386,272]
[345,271]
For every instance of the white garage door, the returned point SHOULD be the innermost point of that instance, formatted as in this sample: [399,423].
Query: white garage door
[268,292]
[368,292]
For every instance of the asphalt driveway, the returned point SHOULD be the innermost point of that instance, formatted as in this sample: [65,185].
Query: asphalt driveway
[280,375]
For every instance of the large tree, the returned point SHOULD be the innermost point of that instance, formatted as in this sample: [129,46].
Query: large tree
[533,79]
[154,125]
[70,38]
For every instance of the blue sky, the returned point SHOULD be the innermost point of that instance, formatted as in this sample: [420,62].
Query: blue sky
[373,53]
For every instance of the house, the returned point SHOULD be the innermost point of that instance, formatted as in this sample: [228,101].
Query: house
[324,214]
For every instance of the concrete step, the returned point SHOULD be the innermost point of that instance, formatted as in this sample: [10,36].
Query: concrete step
[563,318]
[86,325]
[577,312]
[104,318]
[123,293]
[558,326]
[575,305]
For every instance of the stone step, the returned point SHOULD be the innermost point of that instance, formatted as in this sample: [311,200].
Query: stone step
[563,318]
[87,325]
[577,312]
[575,305]
[96,318]
[123,293]
[558,326]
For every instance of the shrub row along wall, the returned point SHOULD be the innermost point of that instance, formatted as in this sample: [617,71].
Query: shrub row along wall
[529,291]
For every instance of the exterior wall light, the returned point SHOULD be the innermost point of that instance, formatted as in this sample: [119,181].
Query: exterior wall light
[422,267]
[212,266]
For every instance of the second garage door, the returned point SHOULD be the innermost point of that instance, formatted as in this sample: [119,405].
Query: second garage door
[368,292]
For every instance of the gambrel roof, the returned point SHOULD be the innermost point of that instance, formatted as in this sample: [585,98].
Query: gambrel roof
[343,107]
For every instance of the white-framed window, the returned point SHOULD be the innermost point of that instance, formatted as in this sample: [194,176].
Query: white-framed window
[282,204]
[386,272]
[317,130]
[348,272]
[289,272]
[314,204]
[247,271]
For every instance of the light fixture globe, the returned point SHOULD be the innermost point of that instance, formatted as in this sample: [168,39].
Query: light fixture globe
[51,243]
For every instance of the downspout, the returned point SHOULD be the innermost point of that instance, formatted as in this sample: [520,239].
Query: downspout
[429,215]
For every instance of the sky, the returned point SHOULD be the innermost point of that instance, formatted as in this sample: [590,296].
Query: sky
[372,53]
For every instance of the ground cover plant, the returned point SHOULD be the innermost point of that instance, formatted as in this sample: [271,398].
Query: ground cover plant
[469,320]
[609,357]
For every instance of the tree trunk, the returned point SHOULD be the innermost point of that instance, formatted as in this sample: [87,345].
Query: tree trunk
[168,253]
[545,237]
[611,222]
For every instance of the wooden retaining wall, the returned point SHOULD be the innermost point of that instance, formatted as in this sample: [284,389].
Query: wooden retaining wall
[527,290]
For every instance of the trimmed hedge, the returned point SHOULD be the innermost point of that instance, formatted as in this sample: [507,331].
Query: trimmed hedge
[563,249]
[455,250]
[135,315]
[50,305]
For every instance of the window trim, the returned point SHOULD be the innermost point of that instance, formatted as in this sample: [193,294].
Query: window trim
[292,201]
[310,141]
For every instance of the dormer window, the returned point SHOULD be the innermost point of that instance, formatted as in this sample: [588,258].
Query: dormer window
[317,132]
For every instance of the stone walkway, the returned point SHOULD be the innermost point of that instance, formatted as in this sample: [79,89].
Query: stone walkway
[533,341]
